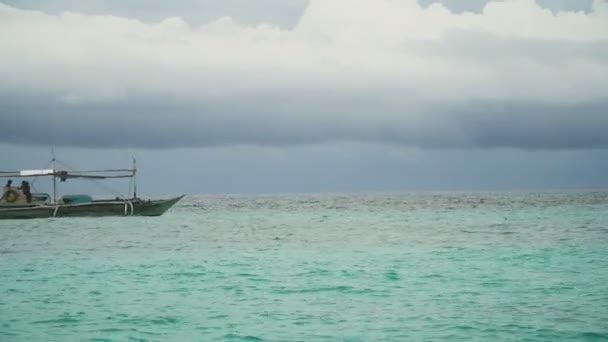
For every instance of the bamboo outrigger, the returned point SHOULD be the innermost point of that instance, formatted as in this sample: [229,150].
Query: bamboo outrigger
[18,203]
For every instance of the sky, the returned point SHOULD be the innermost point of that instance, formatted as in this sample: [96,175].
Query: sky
[283,96]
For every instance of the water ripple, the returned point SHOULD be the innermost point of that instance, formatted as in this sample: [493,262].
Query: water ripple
[332,267]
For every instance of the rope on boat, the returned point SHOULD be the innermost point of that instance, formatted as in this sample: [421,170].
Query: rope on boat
[35,178]
[55,211]
[95,181]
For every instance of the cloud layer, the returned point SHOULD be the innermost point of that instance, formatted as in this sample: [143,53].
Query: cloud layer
[381,71]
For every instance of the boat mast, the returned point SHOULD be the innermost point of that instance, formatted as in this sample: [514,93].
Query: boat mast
[54,179]
[134,178]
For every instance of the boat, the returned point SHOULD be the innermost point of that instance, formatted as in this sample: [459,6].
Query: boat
[20,203]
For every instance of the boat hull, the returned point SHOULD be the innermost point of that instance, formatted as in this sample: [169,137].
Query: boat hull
[92,209]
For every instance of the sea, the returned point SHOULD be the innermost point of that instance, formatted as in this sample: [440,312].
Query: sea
[457,266]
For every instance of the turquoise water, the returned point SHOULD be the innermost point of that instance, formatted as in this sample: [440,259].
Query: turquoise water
[366,267]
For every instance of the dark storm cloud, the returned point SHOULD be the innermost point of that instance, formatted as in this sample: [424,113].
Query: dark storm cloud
[537,125]
[419,77]
[150,123]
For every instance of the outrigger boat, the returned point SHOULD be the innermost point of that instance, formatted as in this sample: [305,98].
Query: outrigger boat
[18,203]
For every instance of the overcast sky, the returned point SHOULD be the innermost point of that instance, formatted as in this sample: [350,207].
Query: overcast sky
[309,96]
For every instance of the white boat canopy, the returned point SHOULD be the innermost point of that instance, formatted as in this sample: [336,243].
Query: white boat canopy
[31,173]
[93,174]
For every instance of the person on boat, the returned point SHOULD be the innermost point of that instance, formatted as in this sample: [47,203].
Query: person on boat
[25,187]
[7,187]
